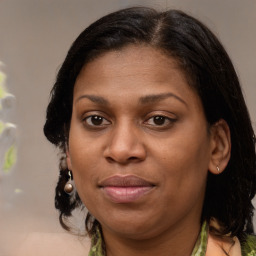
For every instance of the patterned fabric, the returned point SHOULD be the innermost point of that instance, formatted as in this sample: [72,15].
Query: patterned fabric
[206,245]
[201,244]
[249,248]
[96,245]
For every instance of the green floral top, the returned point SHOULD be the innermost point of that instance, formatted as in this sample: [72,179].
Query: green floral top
[248,248]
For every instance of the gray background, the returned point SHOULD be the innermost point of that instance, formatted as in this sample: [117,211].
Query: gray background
[34,38]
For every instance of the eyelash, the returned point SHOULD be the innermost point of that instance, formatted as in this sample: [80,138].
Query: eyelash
[89,122]
[167,121]
[103,122]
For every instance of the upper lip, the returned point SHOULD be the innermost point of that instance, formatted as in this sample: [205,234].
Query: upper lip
[125,181]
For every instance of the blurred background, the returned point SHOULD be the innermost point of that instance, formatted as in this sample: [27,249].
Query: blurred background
[34,38]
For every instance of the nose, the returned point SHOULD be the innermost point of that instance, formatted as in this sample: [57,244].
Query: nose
[125,145]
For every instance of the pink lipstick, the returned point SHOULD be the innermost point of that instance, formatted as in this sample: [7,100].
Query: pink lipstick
[125,189]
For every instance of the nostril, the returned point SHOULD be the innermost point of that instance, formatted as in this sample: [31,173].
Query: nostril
[132,158]
[110,159]
[123,161]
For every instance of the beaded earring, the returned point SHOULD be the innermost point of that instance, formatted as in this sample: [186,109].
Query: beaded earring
[69,187]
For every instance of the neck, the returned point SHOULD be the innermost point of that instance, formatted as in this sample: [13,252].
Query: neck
[178,241]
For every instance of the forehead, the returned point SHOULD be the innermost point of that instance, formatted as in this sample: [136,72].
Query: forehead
[133,69]
[129,61]
[138,54]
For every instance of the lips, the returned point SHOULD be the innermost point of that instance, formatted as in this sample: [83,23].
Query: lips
[125,189]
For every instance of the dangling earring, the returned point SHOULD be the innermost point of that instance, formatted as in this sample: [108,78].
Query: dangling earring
[69,187]
[218,168]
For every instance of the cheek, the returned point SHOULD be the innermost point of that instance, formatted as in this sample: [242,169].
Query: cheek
[183,182]
[84,161]
[85,169]
[85,179]
[183,163]
[183,153]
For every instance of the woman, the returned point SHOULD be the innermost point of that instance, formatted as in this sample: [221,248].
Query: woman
[148,111]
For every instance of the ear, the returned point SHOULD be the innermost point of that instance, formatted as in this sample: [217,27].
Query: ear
[68,159]
[221,147]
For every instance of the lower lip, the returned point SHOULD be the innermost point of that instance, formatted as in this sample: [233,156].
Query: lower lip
[125,194]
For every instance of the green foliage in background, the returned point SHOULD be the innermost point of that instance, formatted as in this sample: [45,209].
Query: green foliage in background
[8,154]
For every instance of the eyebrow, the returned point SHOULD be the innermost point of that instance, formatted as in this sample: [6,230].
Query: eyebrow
[158,97]
[94,98]
[152,98]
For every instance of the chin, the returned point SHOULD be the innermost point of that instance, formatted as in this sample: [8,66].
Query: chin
[132,228]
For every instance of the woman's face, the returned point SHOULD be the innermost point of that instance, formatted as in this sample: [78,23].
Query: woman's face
[139,145]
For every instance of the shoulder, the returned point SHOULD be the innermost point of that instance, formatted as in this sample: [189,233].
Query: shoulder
[249,246]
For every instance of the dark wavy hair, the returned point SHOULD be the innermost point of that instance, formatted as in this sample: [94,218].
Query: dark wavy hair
[208,70]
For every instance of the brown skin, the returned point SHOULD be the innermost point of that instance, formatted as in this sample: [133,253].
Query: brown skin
[174,155]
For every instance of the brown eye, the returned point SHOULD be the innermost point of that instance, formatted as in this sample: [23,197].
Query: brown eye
[96,121]
[159,120]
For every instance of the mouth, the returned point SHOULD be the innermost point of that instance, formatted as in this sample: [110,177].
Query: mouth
[125,189]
